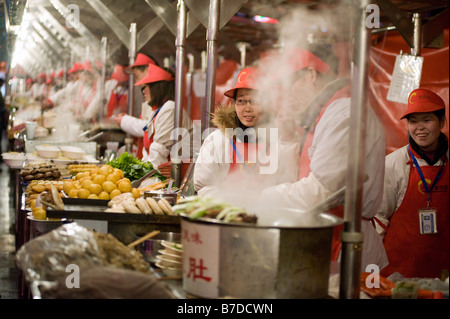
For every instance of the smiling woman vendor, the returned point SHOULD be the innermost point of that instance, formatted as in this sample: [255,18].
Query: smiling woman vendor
[414,213]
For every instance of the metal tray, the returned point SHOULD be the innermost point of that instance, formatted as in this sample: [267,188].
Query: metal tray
[94,209]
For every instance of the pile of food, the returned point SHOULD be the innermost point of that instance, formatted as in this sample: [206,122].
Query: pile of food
[104,182]
[127,203]
[40,171]
[132,167]
[196,207]
[80,168]
[46,258]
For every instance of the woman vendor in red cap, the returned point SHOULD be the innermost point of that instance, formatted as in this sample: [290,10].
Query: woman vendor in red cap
[158,88]
[414,212]
[228,163]
[127,122]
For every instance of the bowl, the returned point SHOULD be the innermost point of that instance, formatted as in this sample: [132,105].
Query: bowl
[150,247]
[172,247]
[157,195]
[47,151]
[166,262]
[169,271]
[14,159]
[169,255]
[73,152]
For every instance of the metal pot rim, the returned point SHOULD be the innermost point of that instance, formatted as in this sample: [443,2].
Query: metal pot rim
[333,221]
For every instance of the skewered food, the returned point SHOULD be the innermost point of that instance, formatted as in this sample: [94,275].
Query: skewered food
[205,207]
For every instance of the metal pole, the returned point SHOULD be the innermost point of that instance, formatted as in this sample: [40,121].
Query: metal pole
[189,83]
[417,50]
[180,63]
[211,48]
[131,56]
[179,80]
[102,113]
[352,237]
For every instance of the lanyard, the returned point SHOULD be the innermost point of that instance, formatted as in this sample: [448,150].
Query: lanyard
[153,117]
[423,178]
[236,151]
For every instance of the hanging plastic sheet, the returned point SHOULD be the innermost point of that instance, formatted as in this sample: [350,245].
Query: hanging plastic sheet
[435,77]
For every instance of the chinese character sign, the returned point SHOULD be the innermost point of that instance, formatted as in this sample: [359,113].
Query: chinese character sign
[200,259]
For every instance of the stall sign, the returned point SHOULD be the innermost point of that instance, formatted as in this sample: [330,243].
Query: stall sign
[200,259]
[405,78]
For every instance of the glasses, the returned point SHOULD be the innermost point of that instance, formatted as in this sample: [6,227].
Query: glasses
[241,102]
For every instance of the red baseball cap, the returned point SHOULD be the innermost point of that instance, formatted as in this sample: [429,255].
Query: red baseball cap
[119,74]
[423,101]
[300,58]
[86,66]
[245,80]
[76,67]
[141,59]
[155,74]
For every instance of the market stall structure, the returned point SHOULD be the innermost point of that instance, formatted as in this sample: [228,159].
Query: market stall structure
[106,31]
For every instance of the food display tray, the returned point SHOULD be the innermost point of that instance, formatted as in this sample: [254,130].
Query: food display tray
[94,209]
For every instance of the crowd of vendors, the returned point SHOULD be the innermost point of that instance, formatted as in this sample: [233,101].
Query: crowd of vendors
[405,206]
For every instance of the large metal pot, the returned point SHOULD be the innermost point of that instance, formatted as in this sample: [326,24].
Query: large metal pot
[285,255]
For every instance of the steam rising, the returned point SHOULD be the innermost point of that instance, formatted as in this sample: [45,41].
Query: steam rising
[301,28]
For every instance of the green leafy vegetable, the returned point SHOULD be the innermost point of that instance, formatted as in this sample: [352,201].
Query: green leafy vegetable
[132,167]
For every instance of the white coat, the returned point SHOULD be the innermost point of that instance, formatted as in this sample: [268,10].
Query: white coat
[212,174]
[329,154]
[164,135]
[396,183]
[94,106]
[135,126]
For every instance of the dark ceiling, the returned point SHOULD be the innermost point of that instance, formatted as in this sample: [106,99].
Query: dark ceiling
[241,28]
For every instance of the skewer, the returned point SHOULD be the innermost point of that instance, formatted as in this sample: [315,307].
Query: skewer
[140,240]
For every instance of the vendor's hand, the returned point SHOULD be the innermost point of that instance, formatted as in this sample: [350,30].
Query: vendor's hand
[46,104]
[164,169]
[118,118]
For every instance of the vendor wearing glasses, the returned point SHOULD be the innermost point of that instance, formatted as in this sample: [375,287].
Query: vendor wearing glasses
[229,161]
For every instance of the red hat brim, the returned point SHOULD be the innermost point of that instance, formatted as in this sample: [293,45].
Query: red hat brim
[245,80]
[155,74]
[119,75]
[423,101]
[141,60]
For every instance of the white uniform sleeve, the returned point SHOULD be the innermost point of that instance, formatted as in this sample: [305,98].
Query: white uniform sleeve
[162,142]
[94,105]
[211,168]
[133,126]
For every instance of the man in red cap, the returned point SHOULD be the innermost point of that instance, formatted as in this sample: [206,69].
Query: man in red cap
[321,104]
[39,87]
[414,216]
[117,101]
[127,122]
[66,95]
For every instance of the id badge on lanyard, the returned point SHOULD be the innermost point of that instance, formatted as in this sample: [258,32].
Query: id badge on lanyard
[427,221]
[427,216]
